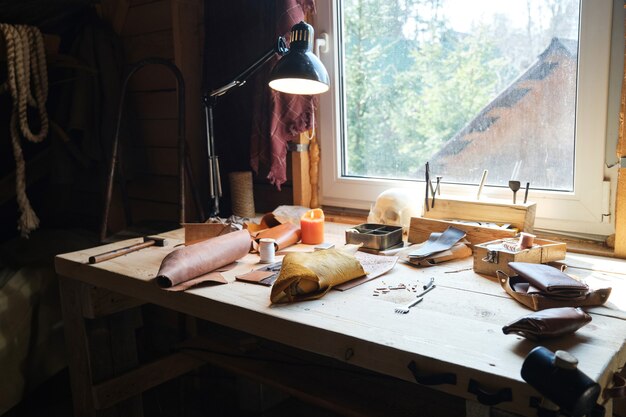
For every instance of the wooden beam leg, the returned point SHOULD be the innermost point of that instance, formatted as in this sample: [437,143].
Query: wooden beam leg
[300,173]
[77,347]
[98,350]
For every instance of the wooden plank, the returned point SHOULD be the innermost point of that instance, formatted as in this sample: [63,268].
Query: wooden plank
[187,33]
[332,385]
[132,383]
[620,215]
[314,160]
[145,211]
[77,346]
[98,302]
[152,78]
[157,133]
[300,173]
[156,188]
[156,44]
[155,104]
[147,17]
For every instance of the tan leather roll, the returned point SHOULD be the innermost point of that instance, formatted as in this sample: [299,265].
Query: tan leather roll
[201,258]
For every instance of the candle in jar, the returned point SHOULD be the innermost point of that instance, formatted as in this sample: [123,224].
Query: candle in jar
[312,227]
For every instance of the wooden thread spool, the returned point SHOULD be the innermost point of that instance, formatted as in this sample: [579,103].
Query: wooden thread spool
[241,195]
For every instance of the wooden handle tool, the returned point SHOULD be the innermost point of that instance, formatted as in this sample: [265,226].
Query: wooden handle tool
[147,241]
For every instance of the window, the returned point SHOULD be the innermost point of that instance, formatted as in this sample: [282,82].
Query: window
[518,88]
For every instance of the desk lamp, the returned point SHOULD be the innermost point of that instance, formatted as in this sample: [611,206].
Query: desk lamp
[299,71]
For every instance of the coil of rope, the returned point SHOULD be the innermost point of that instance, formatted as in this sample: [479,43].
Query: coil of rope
[26,69]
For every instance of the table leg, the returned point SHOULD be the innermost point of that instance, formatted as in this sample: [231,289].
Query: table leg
[97,350]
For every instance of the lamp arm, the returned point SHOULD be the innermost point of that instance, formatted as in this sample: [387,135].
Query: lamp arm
[279,48]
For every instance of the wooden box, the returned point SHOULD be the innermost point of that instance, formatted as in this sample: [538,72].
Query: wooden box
[453,211]
[421,228]
[519,216]
[487,260]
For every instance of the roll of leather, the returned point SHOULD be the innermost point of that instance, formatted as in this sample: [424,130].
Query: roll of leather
[549,323]
[201,258]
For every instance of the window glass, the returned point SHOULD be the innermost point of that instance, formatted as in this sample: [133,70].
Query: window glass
[463,85]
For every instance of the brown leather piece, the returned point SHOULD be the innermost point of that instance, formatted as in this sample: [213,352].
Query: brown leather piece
[549,323]
[517,286]
[201,258]
[285,235]
[550,281]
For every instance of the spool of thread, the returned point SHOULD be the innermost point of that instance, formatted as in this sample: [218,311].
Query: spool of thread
[267,250]
[526,240]
[241,195]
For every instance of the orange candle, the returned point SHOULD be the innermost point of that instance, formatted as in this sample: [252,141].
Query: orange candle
[312,227]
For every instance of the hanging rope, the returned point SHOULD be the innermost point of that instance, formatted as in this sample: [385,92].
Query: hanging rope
[26,67]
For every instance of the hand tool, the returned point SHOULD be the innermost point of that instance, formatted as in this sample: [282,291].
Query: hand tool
[514,186]
[526,192]
[420,297]
[426,182]
[482,183]
[147,241]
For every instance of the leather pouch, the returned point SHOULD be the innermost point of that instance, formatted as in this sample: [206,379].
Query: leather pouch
[285,235]
[517,287]
[550,281]
[549,323]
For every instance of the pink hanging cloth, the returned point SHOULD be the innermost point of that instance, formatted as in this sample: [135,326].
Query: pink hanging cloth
[280,117]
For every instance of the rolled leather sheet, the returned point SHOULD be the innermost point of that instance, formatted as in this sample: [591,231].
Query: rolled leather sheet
[310,275]
[199,259]
[549,323]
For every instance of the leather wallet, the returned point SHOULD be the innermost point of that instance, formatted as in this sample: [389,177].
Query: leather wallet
[550,281]
[549,323]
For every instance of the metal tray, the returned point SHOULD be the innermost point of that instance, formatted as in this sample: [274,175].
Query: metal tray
[375,236]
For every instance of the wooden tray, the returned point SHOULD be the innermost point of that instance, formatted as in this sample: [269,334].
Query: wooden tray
[487,262]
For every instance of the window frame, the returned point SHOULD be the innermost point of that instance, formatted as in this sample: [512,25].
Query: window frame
[580,212]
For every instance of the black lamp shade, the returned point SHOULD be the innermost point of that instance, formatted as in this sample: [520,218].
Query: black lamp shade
[300,71]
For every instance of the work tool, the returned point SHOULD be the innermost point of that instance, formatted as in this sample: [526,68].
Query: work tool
[406,308]
[426,185]
[482,183]
[438,188]
[526,192]
[420,297]
[514,186]
[147,241]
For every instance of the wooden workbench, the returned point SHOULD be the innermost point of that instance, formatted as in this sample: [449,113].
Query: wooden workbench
[455,330]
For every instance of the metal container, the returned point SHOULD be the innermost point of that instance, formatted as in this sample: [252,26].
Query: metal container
[375,236]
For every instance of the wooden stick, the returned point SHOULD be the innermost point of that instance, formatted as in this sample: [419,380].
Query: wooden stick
[482,183]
